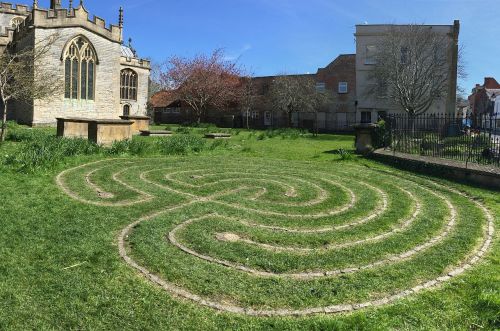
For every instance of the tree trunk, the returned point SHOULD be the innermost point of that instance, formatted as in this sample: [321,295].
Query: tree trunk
[3,129]
[289,119]
[316,126]
[198,116]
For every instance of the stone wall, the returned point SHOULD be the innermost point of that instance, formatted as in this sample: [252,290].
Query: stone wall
[107,80]
[142,68]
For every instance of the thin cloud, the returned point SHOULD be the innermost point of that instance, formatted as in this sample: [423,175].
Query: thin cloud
[238,54]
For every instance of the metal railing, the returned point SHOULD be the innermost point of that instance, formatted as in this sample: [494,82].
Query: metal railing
[474,138]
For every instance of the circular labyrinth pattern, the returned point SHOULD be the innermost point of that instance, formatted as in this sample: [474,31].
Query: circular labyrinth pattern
[282,238]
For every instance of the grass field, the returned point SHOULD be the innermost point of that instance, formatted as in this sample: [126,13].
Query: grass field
[264,231]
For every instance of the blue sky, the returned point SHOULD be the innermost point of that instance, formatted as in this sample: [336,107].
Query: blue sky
[295,36]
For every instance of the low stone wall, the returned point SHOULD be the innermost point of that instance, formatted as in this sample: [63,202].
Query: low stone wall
[141,123]
[102,132]
[475,174]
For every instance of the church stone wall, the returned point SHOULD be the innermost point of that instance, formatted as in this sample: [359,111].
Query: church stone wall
[107,80]
[22,111]
[138,107]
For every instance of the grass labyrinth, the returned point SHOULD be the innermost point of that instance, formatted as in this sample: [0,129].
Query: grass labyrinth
[280,238]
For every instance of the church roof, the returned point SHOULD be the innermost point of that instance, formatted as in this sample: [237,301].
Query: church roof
[127,52]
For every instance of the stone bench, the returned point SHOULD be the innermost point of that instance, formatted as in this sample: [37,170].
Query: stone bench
[217,136]
[156,133]
[101,131]
[141,123]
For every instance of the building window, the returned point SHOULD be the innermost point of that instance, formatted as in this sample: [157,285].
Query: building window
[343,87]
[366,117]
[370,56]
[320,87]
[79,65]
[16,22]
[128,85]
[255,115]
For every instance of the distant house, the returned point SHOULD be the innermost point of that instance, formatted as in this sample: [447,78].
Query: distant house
[485,99]
[166,109]
[338,79]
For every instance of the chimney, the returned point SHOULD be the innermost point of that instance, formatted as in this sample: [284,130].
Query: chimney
[55,4]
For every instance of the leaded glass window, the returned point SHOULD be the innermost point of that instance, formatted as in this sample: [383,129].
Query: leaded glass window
[79,65]
[128,85]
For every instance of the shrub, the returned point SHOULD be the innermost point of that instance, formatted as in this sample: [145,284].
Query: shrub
[381,135]
[219,144]
[47,151]
[181,145]
[130,147]
[262,136]
[19,133]
[345,155]
[286,133]
[183,130]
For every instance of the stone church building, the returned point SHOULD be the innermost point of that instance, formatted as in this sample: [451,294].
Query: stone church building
[103,78]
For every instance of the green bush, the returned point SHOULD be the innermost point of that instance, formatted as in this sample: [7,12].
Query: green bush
[381,135]
[128,147]
[203,125]
[219,144]
[262,136]
[184,130]
[47,151]
[345,155]
[286,133]
[181,145]
[19,133]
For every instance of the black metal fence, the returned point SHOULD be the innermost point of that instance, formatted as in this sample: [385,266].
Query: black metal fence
[473,138]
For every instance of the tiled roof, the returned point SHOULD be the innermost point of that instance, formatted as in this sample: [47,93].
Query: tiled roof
[163,99]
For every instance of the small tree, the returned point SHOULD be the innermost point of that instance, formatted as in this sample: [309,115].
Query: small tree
[291,94]
[204,81]
[247,98]
[412,67]
[23,77]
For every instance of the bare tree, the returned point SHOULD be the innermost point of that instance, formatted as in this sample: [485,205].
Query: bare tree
[412,67]
[23,77]
[291,94]
[204,81]
[247,98]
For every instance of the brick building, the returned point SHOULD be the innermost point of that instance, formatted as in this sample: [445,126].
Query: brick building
[485,99]
[338,79]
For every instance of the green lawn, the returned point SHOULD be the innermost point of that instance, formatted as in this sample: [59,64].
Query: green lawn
[261,224]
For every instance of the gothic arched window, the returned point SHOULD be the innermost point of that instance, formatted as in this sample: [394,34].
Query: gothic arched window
[128,85]
[80,65]
[16,22]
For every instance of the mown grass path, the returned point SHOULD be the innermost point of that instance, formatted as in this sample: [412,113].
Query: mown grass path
[282,238]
